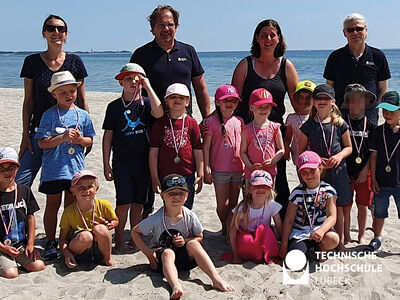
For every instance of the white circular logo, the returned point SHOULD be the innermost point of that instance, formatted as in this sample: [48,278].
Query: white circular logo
[295,260]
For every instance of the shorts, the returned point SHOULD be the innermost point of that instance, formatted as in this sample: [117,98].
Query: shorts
[183,261]
[132,182]
[338,179]
[381,201]
[92,254]
[55,187]
[7,262]
[226,177]
[308,247]
[363,193]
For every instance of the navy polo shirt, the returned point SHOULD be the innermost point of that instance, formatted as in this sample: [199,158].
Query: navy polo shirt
[180,65]
[343,68]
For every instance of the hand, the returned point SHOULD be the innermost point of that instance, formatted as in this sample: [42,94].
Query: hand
[334,161]
[282,251]
[145,82]
[256,166]
[26,144]
[10,251]
[267,163]
[374,185]
[77,139]
[208,178]
[152,257]
[286,155]
[203,128]
[69,135]
[317,235]
[236,259]
[102,221]
[156,185]
[199,183]
[108,172]
[362,176]
[29,252]
[69,260]
[178,240]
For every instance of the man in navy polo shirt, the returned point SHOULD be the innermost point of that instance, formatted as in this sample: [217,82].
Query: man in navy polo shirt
[358,63]
[168,61]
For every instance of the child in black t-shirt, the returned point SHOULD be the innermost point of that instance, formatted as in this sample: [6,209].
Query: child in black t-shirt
[127,125]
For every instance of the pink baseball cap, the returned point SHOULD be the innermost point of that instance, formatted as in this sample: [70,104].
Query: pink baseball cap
[261,177]
[79,175]
[260,97]
[226,91]
[309,159]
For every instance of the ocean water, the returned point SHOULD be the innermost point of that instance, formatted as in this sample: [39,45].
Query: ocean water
[218,66]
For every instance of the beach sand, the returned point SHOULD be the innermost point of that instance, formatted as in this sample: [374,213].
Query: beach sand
[131,277]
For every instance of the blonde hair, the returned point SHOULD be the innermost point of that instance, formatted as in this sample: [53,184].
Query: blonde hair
[335,115]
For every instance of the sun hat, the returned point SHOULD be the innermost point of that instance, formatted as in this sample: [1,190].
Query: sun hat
[62,78]
[129,68]
[261,177]
[226,91]
[305,85]
[79,175]
[309,159]
[261,96]
[324,89]
[390,101]
[356,88]
[174,181]
[8,154]
[178,89]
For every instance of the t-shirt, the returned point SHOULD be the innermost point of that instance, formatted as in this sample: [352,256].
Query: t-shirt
[295,121]
[26,205]
[130,128]
[266,137]
[35,68]
[189,226]
[223,150]
[162,138]
[392,178]
[164,68]
[71,219]
[300,194]
[260,215]
[57,163]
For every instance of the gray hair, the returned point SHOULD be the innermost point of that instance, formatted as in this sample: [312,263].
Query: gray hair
[354,17]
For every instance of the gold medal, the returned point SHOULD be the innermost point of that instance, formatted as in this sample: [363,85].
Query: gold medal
[358,160]
[388,169]
[7,242]
[71,150]
[177,160]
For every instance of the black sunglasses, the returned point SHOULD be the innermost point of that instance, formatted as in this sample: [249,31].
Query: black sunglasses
[352,29]
[52,28]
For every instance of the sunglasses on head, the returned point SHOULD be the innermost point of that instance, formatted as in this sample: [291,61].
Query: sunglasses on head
[352,29]
[52,28]
[175,181]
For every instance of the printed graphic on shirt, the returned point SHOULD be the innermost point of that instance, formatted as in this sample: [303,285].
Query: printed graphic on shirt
[169,137]
[17,230]
[264,138]
[130,126]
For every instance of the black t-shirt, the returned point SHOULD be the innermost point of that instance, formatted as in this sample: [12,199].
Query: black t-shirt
[26,205]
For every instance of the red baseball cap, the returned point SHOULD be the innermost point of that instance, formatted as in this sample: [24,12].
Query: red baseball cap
[309,159]
[261,96]
[226,91]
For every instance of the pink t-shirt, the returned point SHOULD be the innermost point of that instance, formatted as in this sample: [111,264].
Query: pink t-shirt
[266,137]
[295,121]
[223,150]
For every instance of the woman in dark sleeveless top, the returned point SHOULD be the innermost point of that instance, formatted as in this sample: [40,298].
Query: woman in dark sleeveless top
[267,68]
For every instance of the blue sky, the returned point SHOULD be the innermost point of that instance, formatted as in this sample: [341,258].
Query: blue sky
[209,25]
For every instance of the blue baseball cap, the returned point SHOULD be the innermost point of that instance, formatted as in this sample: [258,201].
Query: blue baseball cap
[390,101]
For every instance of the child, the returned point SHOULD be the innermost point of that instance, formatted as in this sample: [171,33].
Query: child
[17,206]
[385,163]
[175,145]
[311,213]
[262,144]
[302,105]
[250,234]
[127,131]
[222,163]
[63,153]
[327,134]
[356,100]
[177,234]
[85,224]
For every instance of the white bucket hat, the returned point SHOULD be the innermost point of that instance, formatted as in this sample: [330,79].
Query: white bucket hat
[62,78]
[177,88]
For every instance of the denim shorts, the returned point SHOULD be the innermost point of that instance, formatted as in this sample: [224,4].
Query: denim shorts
[380,202]
[30,163]
[226,177]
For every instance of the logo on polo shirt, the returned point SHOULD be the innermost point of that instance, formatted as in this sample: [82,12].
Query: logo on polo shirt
[182,59]
[369,63]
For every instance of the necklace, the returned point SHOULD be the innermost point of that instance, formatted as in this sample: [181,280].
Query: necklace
[388,169]
[184,220]
[177,159]
[358,148]
[324,136]
[7,241]
[311,221]
[83,219]
[71,149]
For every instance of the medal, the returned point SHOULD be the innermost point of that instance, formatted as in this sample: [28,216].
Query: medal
[13,214]
[71,150]
[263,150]
[388,169]
[324,136]
[7,242]
[358,160]
[358,148]
[177,159]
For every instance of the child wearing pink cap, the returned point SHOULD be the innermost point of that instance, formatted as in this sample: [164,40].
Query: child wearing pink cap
[221,146]
[311,213]
[250,233]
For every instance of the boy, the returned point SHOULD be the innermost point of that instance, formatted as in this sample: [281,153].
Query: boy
[385,164]
[127,131]
[177,234]
[356,100]
[85,224]
[17,235]
[175,145]
[302,106]
[63,154]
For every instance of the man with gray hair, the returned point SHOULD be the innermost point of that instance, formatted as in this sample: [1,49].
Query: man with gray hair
[358,63]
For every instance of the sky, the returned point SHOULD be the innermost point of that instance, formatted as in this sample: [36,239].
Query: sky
[208,25]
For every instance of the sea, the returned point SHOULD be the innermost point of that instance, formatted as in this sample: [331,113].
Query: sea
[218,66]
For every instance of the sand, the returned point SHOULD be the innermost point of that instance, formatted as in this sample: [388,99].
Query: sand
[131,278]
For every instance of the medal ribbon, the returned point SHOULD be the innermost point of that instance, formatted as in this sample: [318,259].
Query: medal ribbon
[13,214]
[62,120]
[362,137]
[263,150]
[324,136]
[311,221]
[233,144]
[384,142]
[133,98]
[184,220]
[83,219]
[173,134]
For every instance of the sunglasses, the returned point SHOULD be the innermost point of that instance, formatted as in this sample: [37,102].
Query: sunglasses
[52,28]
[352,29]
[175,181]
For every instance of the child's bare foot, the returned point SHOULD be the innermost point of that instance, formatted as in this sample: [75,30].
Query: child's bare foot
[177,292]
[220,284]
[362,240]
[109,262]
[347,239]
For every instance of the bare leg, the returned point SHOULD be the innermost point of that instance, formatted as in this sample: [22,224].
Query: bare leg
[122,214]
[53,202]
[347,222]
[378,226]
[222,195]
[171,273]
[362,223]
[339,228]
[35,266]
[68,199]
[135,215]
[329,241]
[10,273]
[103,238]
[81,243]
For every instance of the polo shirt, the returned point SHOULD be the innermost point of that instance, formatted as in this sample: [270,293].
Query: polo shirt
[164,68]
[343,68]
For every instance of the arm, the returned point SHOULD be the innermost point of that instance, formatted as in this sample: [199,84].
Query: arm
[374,184]
[291,79]
[198,158]
[179,240]
[287,141]
[27,111]
[30,247]
[244,156]
[287,228]
[303,142]
[69,258]
[335,160]
[383,87]
[153,164]
[202,97]
[331,83]
[79,139]
[137,238]
[206,154]
[279,147]
[233,238]
[107,142]
[239,75]
[278,223]
[157,110]
[81,98]
[54,141]
[330,221]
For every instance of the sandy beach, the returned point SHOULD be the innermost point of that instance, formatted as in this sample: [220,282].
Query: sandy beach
[375,277]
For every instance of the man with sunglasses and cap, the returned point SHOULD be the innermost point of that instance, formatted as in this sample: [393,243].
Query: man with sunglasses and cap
[358,62]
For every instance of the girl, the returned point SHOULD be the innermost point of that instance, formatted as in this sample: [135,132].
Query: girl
[222,162]
[311,213]
[250,234]
[330,140]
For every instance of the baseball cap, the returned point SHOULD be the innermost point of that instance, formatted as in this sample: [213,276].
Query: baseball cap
[226,91]
[177,88]
[390,101]
[62,78]
[79,175]
[261,177]
[324,89]
[174,181]
[261,96]
[356,88]
[305,85]
[8,154]
[309,159]
[129,68]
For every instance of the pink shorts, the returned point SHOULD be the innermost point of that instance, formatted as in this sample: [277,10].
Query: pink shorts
[363,192]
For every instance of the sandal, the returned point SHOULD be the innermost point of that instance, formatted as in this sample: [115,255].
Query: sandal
[374,245]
